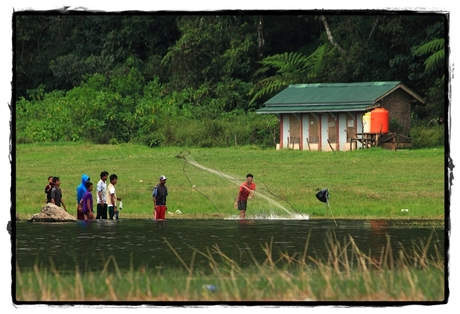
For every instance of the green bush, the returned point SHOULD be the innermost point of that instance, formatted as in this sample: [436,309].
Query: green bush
[228,130]
[427,136]
[45,120]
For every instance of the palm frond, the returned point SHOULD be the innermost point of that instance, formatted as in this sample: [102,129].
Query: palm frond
[430,47]
[437,54]
[435,61]
[268,86]
[292,68]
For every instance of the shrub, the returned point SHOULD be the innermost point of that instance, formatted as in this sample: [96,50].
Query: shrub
[427,136]
[227,130]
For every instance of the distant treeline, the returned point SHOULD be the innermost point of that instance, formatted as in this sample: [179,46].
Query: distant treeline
[196,79]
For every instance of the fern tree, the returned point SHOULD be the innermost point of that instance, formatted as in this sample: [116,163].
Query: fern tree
[435,67]
[291,68]
[436,55]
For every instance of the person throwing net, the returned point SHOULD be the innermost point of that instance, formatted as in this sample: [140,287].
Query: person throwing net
[246,191]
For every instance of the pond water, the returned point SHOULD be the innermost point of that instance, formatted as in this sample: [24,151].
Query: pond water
[131,244]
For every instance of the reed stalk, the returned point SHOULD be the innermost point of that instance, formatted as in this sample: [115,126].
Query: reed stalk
[345,274]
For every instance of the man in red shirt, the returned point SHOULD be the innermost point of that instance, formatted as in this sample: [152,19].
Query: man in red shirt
[246,191]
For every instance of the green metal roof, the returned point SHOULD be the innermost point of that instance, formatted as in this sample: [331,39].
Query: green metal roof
[327,97]
[313,108]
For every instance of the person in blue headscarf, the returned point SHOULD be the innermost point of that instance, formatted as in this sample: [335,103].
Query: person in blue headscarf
[81,190]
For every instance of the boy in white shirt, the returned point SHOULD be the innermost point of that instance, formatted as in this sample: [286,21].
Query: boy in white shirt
[101,191]
[111,197]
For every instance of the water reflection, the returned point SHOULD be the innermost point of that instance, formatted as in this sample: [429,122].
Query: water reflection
[158,244]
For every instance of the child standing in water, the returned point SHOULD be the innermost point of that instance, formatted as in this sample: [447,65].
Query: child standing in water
[48,188]
[87,202]
[56,193]
[101,190]
[81,189]
[111,197]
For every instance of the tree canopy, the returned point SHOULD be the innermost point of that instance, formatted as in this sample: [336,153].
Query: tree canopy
[125,72]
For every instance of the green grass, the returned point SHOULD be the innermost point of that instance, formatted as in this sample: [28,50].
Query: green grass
[347,275]
[298,284]
[372,183]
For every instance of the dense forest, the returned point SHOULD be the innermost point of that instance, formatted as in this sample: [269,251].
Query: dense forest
[197,79]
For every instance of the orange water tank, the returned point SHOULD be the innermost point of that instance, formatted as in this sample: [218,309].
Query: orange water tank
[379,120]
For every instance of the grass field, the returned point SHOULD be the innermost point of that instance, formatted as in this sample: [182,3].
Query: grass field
[372,183]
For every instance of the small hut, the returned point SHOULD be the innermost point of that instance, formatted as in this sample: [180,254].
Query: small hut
[329,116]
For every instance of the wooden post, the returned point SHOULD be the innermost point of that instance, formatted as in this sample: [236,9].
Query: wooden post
[378,136]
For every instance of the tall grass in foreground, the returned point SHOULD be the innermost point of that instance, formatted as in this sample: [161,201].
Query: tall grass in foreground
[346,274]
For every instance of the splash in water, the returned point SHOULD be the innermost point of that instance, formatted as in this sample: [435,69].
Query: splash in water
[237,182]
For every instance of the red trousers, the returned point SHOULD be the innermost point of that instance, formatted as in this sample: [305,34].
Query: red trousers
[160,211]
[80,215]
